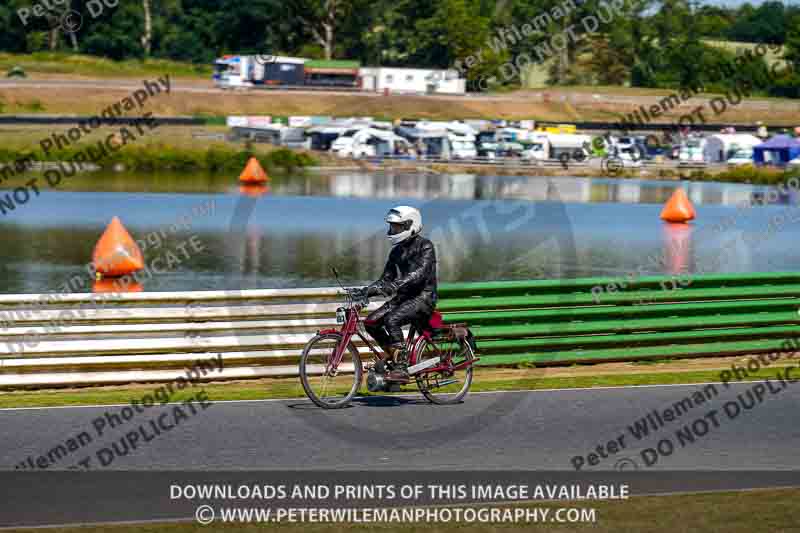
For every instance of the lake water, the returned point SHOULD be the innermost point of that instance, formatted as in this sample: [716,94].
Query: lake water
[484,228]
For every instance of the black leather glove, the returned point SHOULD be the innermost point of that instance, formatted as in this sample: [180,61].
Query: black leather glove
[359,294]
[382,288]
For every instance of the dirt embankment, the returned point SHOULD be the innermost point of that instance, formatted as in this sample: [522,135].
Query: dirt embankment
[192,97]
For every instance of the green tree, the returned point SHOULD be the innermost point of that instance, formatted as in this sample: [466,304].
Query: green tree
[115,33]
[393,39]
[456,32]
[13,36]
[788,84]
[322,19]
[766,23]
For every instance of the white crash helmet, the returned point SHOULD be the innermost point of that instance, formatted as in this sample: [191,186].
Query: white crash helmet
[409,217]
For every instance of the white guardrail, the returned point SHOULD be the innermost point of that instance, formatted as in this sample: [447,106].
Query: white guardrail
[81,339]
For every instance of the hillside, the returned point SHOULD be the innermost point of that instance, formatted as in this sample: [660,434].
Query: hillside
[536,75]
[63,65]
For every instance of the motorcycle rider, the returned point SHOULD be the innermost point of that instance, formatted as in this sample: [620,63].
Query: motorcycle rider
[409,280]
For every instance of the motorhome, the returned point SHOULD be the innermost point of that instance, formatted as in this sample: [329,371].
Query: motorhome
[272,133]
[443,140]
[343,145]
[369,142]
[324,135]
[295,138]
[463,146]
[721,147]
[462,137]
[427,143]
[460,128]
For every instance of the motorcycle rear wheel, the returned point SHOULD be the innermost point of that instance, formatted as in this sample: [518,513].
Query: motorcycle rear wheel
[446,388]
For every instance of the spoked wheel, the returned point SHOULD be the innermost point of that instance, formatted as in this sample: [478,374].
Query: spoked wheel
[445,387]
[329,388]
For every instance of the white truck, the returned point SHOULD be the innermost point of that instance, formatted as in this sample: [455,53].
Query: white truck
[248,71]
[541,146]
[538,149]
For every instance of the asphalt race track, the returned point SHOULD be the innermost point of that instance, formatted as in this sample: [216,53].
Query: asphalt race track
[523,438]
[511,431]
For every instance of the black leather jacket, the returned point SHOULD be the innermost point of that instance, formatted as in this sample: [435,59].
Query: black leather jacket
[410,271]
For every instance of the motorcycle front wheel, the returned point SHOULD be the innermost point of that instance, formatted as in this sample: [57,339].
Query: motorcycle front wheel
[327,387]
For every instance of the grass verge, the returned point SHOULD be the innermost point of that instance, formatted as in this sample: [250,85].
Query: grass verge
[49,63]
[486,380]
[165,148]
[771,510]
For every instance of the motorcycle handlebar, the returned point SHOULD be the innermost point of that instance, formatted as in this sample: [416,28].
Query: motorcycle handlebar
[358,296]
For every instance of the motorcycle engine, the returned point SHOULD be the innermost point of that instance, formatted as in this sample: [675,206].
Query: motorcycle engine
[375,381]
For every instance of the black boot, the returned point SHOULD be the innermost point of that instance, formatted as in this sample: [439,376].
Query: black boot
[400,371]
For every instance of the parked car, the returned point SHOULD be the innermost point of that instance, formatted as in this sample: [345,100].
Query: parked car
[692,150]
[743,157]
[463,147]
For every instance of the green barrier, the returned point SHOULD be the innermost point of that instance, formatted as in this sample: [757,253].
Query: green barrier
[568,321]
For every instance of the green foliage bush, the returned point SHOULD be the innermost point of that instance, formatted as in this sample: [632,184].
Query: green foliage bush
[163,157]
[34,105]
[287,160]
[756,175]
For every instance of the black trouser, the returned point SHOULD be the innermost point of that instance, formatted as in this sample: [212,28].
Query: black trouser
[385,324]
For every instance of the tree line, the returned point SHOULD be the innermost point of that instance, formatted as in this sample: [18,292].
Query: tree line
[650,43]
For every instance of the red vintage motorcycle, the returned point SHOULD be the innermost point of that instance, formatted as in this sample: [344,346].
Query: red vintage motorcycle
[440,359]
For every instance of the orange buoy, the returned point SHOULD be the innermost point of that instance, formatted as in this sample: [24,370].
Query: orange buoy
[254,190]
[114,285]
[679,208]
[116,253]
[253,173]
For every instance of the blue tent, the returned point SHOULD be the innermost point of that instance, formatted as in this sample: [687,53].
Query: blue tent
[778,150]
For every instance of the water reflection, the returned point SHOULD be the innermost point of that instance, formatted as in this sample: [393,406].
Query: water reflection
[577,190]
[394,184]
[678,252]
[303,225]
[116,285]
[253,190]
